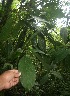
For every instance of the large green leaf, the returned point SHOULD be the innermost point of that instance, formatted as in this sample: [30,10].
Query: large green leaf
[28,74]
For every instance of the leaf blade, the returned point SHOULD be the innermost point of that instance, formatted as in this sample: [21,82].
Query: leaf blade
[27,70]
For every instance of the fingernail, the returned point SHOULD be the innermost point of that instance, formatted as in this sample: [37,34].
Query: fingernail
[19,73]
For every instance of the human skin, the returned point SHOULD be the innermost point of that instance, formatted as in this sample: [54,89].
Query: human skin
[9,79]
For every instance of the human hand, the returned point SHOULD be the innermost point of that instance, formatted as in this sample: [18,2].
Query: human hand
[9,78]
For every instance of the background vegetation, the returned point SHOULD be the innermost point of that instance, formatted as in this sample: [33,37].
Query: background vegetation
[31,42]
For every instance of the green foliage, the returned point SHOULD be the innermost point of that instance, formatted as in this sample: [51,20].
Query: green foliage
[61,54]
[56,74]
[41,42]
[64,34]
[40,53]
[27,70]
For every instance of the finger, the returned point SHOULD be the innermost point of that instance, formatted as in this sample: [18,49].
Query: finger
[13,82]
[15,71]
[17,75]
[16,82]
[15,79]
